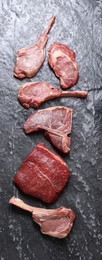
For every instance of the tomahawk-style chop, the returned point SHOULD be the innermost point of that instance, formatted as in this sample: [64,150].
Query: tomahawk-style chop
[62,61]
[57,123]
[33,94]
[53,222]
[43,174]
[30,59]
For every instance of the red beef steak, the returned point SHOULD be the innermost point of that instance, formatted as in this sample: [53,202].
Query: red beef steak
[43,174]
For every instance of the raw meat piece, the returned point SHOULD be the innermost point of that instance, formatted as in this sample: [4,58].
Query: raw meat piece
[53,222]
[57,123]
[43,174]
[62,61]
[33,94]
[30,59]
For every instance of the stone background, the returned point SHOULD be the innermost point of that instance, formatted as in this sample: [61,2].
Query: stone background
[78,24]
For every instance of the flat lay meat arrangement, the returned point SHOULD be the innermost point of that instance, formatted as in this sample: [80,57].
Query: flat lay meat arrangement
[62,61]
[30,59]
[33,94]
[53,222]
[43,174]
[57,123]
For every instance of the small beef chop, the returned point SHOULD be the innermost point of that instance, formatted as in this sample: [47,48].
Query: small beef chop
[43,174]
[57,123]
[33,94]
[30,59]
[53,222]
[62,61]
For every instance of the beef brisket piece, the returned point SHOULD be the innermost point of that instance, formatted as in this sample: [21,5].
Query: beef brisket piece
[43,174]
[57,123]
[62,61]
[53,222]
[30,59]
[33,94]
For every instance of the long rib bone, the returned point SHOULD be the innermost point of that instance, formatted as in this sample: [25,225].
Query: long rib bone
[53,222]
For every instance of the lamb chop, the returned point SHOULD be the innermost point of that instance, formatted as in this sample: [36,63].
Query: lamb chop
[62,61]
[53,222]
[33,94]
[57,123]
[43,174]
[30,59]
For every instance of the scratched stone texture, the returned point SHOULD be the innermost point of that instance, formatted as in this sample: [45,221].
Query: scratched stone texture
[78,24]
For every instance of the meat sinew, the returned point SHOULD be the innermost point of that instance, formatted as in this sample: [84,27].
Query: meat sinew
[33,94]
[53,222]
[57,123]
[30,59]
[43,174]
[62,61]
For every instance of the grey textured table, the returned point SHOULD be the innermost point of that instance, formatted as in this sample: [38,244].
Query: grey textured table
[78,24]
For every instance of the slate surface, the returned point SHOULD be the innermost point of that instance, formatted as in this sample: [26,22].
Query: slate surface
[78,24]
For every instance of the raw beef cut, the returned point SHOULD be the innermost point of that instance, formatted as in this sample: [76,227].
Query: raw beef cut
[43,174]
[62,61]
[53,222]
[30,59]
[57,123]
[33,94]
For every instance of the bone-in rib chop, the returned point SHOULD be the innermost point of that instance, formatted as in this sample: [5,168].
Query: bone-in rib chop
[30,59]
[33,94]
[53,222]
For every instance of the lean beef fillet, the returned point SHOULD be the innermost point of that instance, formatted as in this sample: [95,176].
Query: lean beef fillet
[53,222]
[33,94]
[43,174]
[63,61]
[57,123]
[30,59]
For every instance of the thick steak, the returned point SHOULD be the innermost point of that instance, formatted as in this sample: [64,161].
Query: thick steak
[57,123]
[62,60]
[43,174]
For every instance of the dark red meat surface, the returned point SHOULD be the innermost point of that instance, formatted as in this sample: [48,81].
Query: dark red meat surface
[57,123]
[33,94]
[30,59]
[62,60]
[53,222]
[43,174]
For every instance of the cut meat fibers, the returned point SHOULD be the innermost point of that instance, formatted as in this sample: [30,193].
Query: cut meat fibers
[57,123]
[30,59]
[43,174]
[62,60]
[33,94]
[53,222]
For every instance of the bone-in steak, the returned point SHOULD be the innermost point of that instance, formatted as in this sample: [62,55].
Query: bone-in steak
[62,61]
[43,174]
[33,94]
[53,222]
[30,59]
[57,123]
